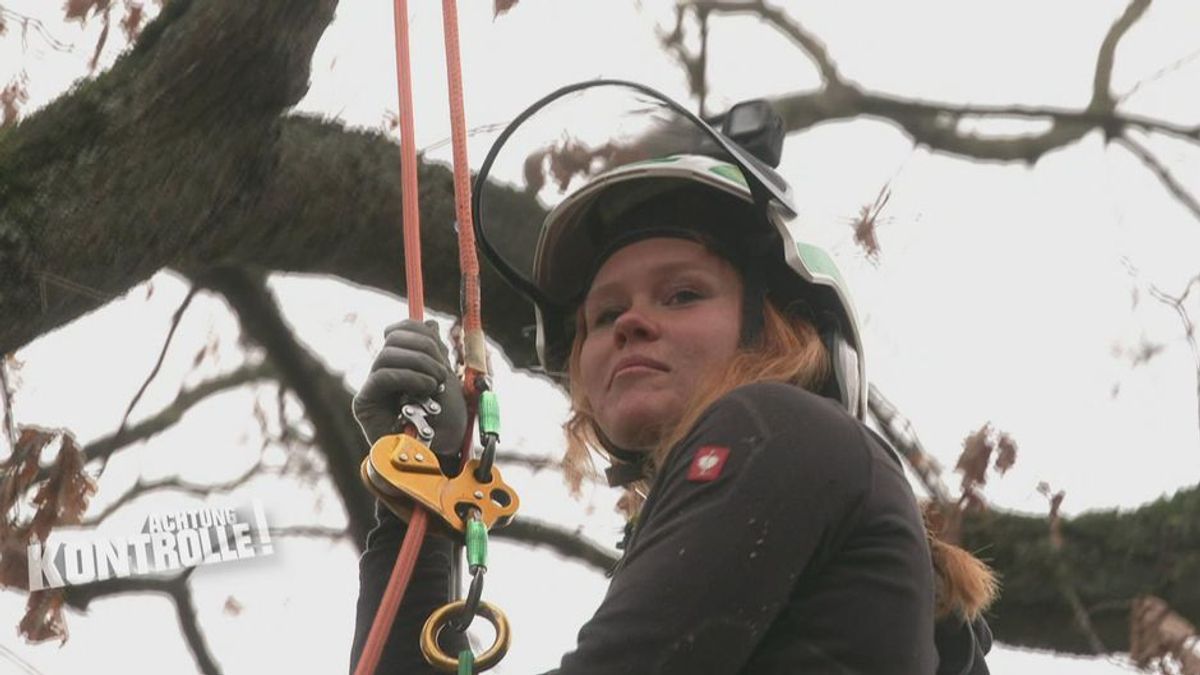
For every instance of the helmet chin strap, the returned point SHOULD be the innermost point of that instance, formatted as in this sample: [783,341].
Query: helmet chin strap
[753,296]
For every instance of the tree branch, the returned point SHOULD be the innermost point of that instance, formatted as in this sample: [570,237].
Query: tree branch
[900,433]
[175,587]
[1189,329]
[566,543]
[531,462]
[199,489]
[310,531]
[326,400]
[1164,176]
[1102,97]
[102,448]
[935,125]
[162,353]
[776,17]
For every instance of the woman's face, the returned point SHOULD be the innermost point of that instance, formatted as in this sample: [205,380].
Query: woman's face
[661,314]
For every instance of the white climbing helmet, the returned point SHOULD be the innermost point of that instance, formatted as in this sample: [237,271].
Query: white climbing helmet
[550,196]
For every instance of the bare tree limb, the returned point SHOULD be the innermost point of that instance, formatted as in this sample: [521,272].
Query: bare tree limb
[935,125]
[564,542]
[27,22]
[1164,176]
[141,488]
[185,609]
[1158,74]
[104,447]
[326,399]
[175,587]
[175,319]
[531,462]
[10,429]
[1189,329]
[310,531]
[695,66]
[1102,97]
[900,432]
[785,24]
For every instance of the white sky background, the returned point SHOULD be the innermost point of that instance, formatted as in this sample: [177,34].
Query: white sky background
[1000,296]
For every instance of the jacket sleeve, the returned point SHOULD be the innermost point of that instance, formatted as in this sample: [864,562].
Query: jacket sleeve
[737,512]
[427,590]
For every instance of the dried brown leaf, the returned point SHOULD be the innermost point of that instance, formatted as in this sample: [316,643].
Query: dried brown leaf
[501,6]
[971,501]
[12,97]
[22,468]
[78,10]
[14,560]
[63,498]
[1144,352]
[1006,456]
[867,223]
[43,618]
[100,42]
[975,457]
[1158,633]
[1056,538]
[132,22]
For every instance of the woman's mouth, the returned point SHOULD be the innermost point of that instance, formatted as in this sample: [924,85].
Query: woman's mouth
[630,365]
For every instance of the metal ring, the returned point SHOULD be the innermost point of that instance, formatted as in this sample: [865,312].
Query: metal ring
[439,619]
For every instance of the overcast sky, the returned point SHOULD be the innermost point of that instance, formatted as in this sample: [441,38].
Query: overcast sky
[1001,295]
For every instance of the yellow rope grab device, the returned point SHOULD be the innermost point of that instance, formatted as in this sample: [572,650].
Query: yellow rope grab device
[401,470]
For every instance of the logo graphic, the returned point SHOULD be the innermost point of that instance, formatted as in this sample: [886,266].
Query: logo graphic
[172,541]
[707,464]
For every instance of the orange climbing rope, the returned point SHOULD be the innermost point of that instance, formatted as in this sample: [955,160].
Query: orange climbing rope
[407,558]
[474,349]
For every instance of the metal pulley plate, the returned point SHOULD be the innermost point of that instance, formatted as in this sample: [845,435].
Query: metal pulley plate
[400,470]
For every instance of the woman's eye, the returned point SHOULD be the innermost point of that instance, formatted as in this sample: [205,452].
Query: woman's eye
[606,316]
[683,296]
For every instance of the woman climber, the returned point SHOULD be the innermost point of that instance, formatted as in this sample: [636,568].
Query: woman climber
[716,363]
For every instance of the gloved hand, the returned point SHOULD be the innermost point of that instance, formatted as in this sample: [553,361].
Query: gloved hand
[412,366]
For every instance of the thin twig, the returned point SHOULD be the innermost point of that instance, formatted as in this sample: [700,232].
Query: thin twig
[531,462]
[103,448]
[310,531]
[10,429]
[176,587]
[562,541]
[74,286]
[1164,176]
[28,22]
[1159,74]
[785,24]
[161,355]
[21,663]
[199,489]
[1189,329]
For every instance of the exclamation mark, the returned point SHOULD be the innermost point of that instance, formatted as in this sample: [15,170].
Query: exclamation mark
[264,536]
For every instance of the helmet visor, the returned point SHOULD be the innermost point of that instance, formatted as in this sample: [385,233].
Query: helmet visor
[545,171]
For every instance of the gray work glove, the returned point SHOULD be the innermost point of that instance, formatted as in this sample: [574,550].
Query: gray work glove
[412,366]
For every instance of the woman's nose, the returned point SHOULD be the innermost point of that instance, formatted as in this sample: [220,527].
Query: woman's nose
[635,323]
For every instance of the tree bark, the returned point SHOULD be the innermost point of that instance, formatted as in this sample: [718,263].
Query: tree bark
[1108,558]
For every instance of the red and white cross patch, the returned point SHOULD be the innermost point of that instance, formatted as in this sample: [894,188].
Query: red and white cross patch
[707,464]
